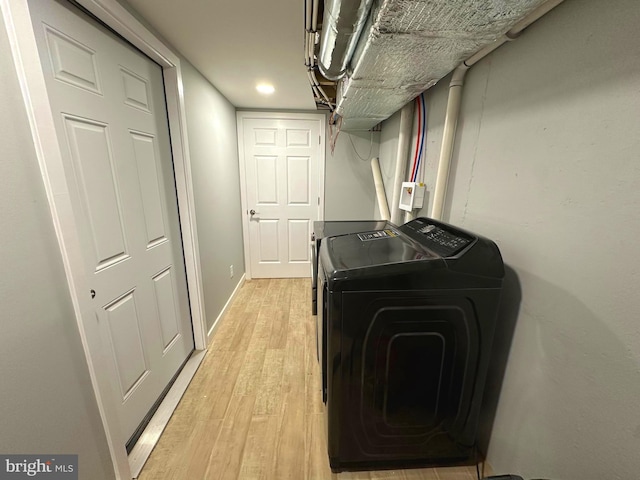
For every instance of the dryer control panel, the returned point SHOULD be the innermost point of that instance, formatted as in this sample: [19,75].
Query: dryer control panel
[441,239]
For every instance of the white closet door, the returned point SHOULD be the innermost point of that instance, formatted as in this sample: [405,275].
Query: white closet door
[111,121]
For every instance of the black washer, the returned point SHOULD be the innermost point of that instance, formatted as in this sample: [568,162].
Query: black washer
[407,317]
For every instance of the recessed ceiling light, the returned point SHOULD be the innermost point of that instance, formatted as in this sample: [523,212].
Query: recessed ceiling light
[265,88]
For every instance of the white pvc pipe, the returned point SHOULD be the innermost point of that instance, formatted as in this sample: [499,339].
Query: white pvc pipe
[314,17]
[448,137]
[409,215]
[383,206]
[308,14]
[307,28]
[404,137]
[318,90]
[310,36]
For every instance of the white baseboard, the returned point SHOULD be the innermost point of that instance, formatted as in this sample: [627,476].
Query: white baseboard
[224,309]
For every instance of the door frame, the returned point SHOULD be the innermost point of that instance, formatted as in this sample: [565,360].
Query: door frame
[248,115]
[17,21]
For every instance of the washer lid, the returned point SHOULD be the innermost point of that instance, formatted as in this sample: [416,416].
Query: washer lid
[374,248]
[332,228]
[423,251]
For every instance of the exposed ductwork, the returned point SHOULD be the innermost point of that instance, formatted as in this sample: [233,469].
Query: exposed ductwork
[405,47]
[341,27]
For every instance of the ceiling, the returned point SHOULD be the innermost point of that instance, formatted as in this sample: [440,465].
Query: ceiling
[237,44]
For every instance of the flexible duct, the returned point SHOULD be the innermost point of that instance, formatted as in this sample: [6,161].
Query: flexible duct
[341,27]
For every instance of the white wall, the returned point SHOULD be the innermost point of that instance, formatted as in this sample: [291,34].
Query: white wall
[349,190]
[546,164]
[46,399]
[213,146]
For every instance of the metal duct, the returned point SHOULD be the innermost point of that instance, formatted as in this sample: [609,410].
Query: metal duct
[341,26]
[408,45]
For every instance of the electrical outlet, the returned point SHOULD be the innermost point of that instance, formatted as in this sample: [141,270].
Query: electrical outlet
[231,271]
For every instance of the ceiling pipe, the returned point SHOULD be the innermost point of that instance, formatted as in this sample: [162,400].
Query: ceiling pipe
[341,27]
[310,45]
[308,15]
[314,16]
[315,81]
[319,92]
[455,97]
[311,25]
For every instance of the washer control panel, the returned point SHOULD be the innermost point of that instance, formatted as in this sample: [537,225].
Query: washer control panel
[441,239]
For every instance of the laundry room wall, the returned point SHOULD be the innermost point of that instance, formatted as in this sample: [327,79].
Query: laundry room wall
[546,164]
[213,145]
[349,190]
[48,405]
[213,149]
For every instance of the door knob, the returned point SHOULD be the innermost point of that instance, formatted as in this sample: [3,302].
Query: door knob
[252,211]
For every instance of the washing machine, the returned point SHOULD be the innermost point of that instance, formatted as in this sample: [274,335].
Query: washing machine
[331,228]
[406,316]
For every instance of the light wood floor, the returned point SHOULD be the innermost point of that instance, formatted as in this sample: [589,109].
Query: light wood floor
[253,410]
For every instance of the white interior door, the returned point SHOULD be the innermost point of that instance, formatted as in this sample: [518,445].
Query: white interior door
[283,174]
[111,121]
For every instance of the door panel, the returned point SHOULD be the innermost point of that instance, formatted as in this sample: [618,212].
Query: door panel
[94,174]
[266,180]
[136,90]
[281,158]
[298,181]
[109,110]
[72,62]
[146,161]
[165,294]
[298,137]
[265,137]
[126,342]
[298,240]
[268,238]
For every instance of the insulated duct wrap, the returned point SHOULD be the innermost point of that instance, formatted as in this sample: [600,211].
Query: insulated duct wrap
[341,27]
[406,46]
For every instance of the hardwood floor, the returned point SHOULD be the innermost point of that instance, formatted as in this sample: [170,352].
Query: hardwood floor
[252,410]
